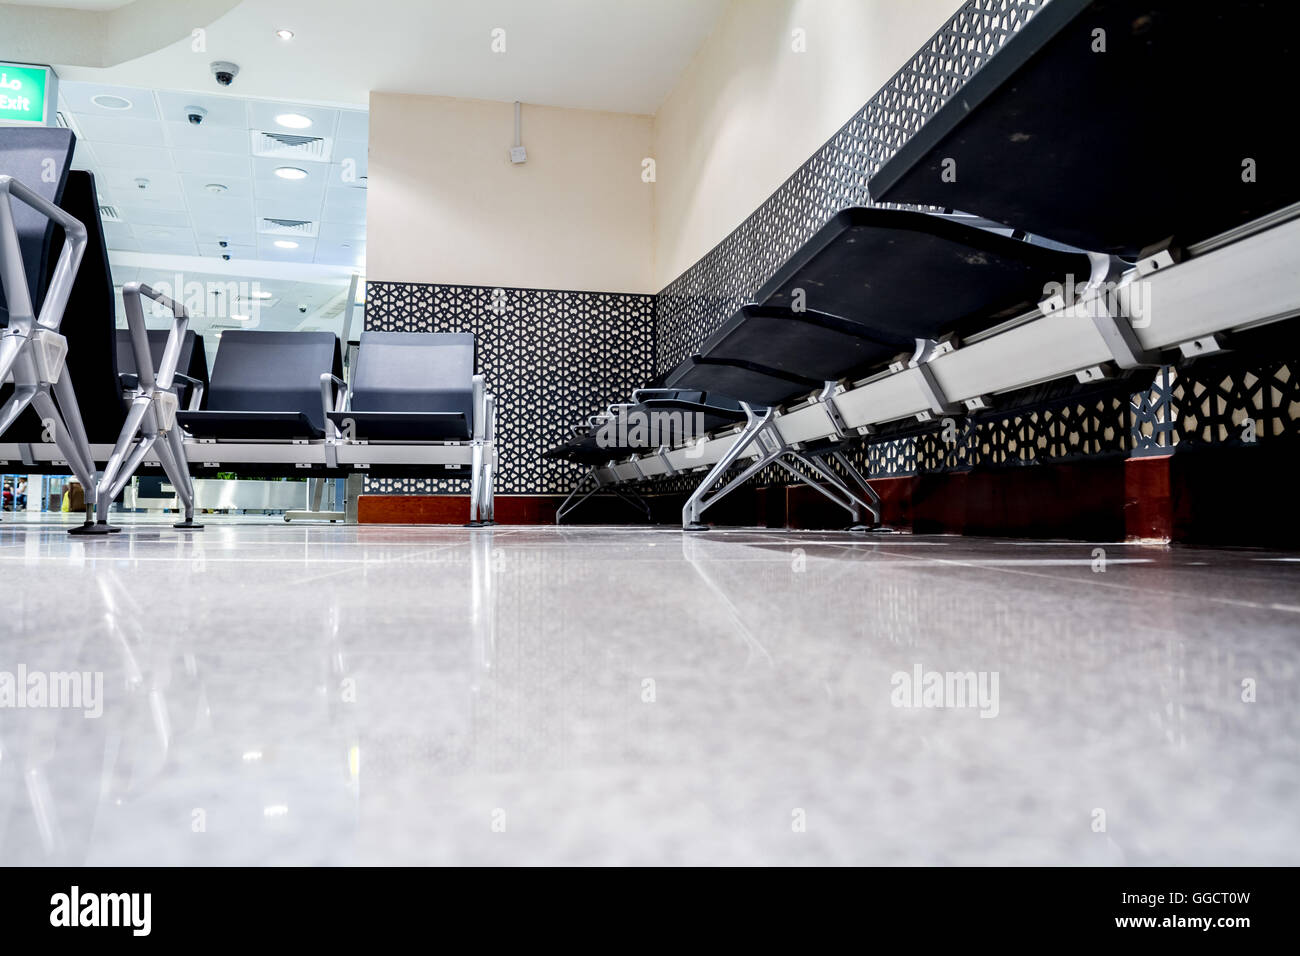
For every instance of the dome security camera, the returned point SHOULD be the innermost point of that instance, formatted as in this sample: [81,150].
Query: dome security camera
[225,72]
[195,114]
[302,309]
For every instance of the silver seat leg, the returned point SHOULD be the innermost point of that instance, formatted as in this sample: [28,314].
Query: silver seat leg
[701,498]
[476,488]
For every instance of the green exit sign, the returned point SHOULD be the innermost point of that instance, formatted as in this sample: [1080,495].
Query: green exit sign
[27,95]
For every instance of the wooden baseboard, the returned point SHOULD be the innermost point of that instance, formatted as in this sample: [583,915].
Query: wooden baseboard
[1216,496]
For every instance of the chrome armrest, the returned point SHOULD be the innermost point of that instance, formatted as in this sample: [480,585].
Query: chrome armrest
[131,293]
[13,275]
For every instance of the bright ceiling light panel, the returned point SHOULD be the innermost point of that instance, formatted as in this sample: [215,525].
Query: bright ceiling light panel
[293,121]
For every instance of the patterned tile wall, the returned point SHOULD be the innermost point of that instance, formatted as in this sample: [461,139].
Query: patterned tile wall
[550,357]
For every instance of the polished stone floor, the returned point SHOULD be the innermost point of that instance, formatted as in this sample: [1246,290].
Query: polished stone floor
[333,695]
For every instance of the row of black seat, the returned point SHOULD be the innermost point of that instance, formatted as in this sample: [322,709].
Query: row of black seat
[1054,136]
[275,402]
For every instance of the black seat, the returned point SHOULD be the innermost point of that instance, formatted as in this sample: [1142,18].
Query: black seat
[89,325]
[411,386]
[192,363]
[766,355]
[266,386]
[905,275]
[707,411]
[31,155]
[1122,150]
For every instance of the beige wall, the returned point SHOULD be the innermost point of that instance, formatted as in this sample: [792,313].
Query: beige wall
[446,205]
[748,111]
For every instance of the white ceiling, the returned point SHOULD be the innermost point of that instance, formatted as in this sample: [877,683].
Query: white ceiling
[170,232]
[177,213]
[293,305]
[617,55]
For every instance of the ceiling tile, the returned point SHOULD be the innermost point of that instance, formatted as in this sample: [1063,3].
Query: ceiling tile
[345,204]
[354,125]
[354,150]
[163,187]
[342,231]
[214,139]
[81,98]
[262,114]
[218,164]
[133,157]
[196,188]
[267,250]
[280,209]
[335,253]
[119,129]
[137,215]
[230,112]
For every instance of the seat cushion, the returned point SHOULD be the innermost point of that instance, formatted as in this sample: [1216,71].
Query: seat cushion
[906,275]
[249,426]
[402,426]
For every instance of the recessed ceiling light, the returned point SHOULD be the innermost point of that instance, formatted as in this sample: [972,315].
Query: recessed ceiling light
[260,295]
[240,318]
[284,34]
[290,172]
[285,244]
[107,101]
[293,121]
[216,188]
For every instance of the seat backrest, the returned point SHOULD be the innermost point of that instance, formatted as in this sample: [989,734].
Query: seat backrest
[40,158]
[415,372]
[258,371]
[192,360]
[90,320]
[89,325]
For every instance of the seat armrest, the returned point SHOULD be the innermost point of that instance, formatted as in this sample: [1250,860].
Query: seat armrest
[479,385]
[332,403]
[131,295]
[196,390]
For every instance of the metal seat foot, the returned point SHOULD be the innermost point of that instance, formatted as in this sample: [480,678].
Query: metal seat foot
[95,528]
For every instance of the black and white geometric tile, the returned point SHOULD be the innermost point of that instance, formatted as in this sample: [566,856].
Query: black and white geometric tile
[551,359]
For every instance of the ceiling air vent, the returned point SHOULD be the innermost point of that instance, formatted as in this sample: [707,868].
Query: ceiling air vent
[288,146]
[109,214]
[286,227]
